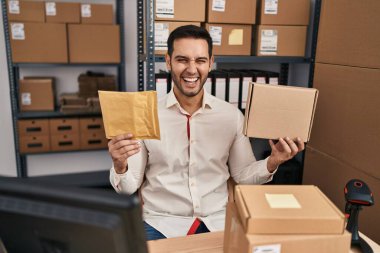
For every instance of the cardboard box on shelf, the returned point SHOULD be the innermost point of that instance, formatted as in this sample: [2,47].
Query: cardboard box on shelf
[236,240]
[93,140]
[347,121]
[64,142]
[179,10]
[287,209]
[33,127]
[162,31]
[71,99]
[57,12]
[231,12]
[91,125]
[38,43]
[230,39]
[280,40]
[100,14]
[276,111]
[94,43]
[36,94]
[64,126]
[26,11]
[34,144]
[348,33]
[289,12]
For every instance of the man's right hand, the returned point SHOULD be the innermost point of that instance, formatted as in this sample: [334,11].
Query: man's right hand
[120,148]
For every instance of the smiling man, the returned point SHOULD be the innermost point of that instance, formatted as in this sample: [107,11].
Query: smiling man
[202,145]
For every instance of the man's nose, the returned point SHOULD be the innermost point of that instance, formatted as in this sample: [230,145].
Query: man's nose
[192,67]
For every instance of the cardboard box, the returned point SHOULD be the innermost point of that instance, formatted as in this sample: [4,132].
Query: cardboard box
[179,10]
[93,140]
[91,125]
[288,12]
[347,121]
[281,40]
[230,39]
[36,95]
[276,111]
[162,31]
[38,43]
[33,127]
[94,43]
[34,144]
[349,34]
[62,12]
[331,175]
[71,99]
[26,11]
[64,142]
[64,126]
[232,12]
[97,14]
[236,240]
[287,209]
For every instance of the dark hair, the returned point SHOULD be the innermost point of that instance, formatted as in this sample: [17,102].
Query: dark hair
[189,31]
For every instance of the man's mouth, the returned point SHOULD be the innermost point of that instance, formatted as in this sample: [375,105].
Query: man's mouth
[190,79]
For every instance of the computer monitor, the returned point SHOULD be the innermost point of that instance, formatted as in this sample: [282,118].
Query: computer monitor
[44,218]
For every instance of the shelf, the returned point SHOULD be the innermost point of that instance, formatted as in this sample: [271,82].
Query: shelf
[56,114]
[67,151]
[252,59]
[51,65]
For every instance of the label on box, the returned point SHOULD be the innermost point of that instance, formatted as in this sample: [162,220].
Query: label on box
[165,8]
[51,10]
[282,201]
[26,98]
[14,7]
[216,35]
[268,43]
[271,7]
[273,80]
[86,10]
[273,248]
[219,5]
[161,35]
[17,30]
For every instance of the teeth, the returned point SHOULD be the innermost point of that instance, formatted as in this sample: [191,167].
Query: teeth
[191,80]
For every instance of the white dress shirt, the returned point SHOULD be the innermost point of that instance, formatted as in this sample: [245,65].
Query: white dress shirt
[187,178]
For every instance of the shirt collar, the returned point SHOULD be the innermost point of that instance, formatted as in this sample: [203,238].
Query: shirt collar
[207,100]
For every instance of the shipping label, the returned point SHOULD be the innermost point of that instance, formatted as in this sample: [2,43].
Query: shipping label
[216,35]
[219,5]
[18,32]
[268,43]
[50,8]
[165,8]
[161,35]
[86,10]
[273,248]
[271,7]
[14,7]
[26,98]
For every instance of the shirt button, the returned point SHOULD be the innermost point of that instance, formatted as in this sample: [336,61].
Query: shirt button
[196,206]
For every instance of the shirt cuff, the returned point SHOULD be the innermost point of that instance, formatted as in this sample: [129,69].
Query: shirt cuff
[269,174]
[116,179]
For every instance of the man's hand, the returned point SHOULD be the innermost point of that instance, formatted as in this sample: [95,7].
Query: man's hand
[285,149]
[120,148]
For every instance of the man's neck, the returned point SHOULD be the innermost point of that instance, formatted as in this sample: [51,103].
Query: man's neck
[190,104]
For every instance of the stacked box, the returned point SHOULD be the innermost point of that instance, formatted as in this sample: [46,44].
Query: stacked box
[92,133]
[64,134]
[36,94]
[34,136]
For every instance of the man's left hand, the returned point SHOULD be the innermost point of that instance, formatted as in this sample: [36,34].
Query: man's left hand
[284,150]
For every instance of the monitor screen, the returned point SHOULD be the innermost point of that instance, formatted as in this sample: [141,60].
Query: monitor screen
[45,218]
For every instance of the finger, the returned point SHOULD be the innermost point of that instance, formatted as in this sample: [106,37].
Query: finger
[121,137]
[285,146]
[124,143]
[300,144]
[272,146]
[292,145]
[129,148]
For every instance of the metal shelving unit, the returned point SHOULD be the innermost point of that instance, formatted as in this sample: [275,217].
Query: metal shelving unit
[14,74]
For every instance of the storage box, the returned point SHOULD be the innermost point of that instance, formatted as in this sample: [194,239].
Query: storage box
[38,43]
[231,12]
[97,14]
[347,120]
[62,12]
[281,40]
[33,127]
[64,126]
[276,111]
[230,39]
[179,10]
[236,240]
[93,140]
[287,209]
[34,144]
[285,12]
[91,125]
[26,11]
[94,43]
[162,31]
[36,94]
[349,34]
[64,142]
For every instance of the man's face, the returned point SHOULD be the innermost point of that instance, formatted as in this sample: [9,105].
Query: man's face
[189,66]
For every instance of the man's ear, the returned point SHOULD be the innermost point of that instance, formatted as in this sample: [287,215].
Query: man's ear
[211,62]
[167,61]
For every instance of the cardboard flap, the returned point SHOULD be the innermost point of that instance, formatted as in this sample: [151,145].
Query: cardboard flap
[241,206]
[312,116]
[248,108]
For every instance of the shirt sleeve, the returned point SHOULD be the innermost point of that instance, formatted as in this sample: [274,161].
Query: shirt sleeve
[242,163]
[130,181]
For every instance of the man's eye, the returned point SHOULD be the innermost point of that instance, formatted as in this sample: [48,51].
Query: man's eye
[201,61]
[182,60]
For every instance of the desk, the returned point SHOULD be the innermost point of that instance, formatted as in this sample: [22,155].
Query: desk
[207,243]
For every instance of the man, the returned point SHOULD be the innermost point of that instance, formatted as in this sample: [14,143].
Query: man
[201,146]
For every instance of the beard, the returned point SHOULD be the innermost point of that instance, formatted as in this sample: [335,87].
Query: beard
[177,82]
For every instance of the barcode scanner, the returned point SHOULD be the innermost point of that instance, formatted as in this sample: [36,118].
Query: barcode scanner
[357,195]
